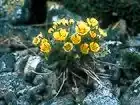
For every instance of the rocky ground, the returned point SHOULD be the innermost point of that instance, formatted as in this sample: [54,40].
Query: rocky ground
[26,80]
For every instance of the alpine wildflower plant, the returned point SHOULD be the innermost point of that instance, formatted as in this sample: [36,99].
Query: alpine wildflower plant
[69,41]
[84,39]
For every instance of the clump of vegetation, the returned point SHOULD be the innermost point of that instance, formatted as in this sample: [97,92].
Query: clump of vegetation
[71,46]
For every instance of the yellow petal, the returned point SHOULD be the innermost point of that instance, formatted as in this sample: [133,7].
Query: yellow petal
[44,40]
[56,35]
[45,47]
[94,47]
[94,22]
[64,21]
[92,34]
[50,30]
[68,47]
[63,34]
[84,48]
[36,40]
[76,39]
[82,28]
[71,21]
[88,21]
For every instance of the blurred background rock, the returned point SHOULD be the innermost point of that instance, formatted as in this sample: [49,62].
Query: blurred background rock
[107,11]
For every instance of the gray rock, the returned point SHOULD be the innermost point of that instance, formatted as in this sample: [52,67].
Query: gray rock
[134,41]
[38,79]
[2,8]
[24,100]
[11,82]
[26,52]
[17,15]
[10,98]
[37,89]
[4,28]
[4,49]
[20,64]
[132,94]
[101,96]
[30,68]
[7,63]
[49,79]
[65,100]
[2,103]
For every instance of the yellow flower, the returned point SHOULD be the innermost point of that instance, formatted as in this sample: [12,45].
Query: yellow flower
[82,28]
[94,47]
[92,22]
[44,40]
[64,21]
[71,21]
[76,39]
[102,32]
[36,40]
[84,48]
[68,46]
[56,35]
[92,34]
[50,30]
[61,35]
[45,47]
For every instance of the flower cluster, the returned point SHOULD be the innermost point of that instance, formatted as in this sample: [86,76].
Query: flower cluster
[67,35]
[43,43]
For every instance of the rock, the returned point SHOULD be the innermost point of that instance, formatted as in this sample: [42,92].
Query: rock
[18,15]
[132,95]
[37,89]
[101,96]
[2,103]
[30,68]
[38,79]
[50,79]
[7,63]
[107,71]
[118,33]
[4,28]
[4,49]
[24,100]
[2,9]
[21,36]
[23,91]
[130,60]
[20,64]
[10,98]
[133,42]
[11,82]
[26,52]
[65,100]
